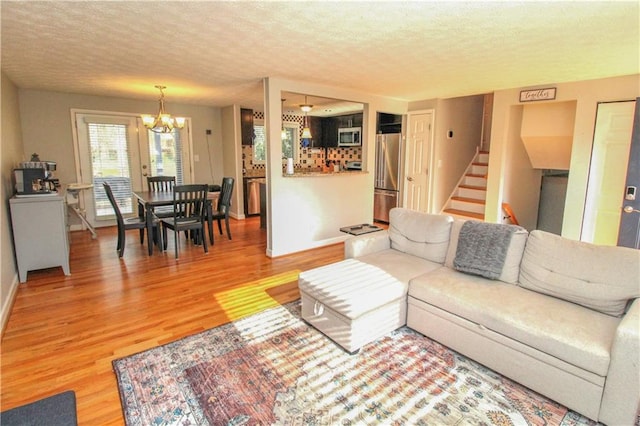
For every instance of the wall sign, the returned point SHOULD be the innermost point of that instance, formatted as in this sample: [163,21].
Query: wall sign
[538,94]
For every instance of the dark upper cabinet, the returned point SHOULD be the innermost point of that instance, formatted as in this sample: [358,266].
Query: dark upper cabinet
[357,120]
[389,123]
[330,132]
[315,125]
[246,126]
[349,120]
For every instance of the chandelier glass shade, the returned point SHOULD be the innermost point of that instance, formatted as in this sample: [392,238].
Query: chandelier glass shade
[162,122]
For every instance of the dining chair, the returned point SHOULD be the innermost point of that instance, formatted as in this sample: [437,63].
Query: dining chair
[224,204]
[189,213]
[125,224]
[161,184]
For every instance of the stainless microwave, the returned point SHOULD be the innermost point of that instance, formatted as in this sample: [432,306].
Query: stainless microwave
[350,136]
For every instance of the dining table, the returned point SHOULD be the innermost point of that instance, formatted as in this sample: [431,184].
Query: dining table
[149,200]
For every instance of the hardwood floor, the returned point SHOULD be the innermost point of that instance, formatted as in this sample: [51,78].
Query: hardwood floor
[64,331]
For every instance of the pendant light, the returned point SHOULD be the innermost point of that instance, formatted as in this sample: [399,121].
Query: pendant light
[163,122]
[283,135]
[306,131]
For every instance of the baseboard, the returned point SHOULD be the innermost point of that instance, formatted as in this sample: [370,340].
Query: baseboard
[8,303]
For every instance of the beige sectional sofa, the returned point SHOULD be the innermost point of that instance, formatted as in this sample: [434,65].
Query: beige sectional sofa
[559,316]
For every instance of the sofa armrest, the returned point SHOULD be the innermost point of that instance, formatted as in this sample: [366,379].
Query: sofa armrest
[366,244]
[621,397]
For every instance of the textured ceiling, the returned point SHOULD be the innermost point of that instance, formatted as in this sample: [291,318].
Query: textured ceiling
[217,53]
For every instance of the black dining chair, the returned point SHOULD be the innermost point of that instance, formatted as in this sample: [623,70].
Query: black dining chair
[189,213]
[161,184]
[224,204]
[125,224]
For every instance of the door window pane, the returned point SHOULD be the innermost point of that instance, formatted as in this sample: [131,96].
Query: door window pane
[110,163]
[165,154]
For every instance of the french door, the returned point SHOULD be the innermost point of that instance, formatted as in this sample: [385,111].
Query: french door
[119,150]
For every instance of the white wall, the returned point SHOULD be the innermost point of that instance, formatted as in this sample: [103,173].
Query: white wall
[46,126]
[308,212]
[11,153]
[522,189]
[586,94]
[463,116]
[232,157]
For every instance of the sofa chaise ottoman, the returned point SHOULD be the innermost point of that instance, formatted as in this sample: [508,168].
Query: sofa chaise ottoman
[352,303]
[356,301]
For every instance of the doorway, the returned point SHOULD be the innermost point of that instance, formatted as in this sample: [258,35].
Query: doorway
[119,150]
[608,172]
[418,179]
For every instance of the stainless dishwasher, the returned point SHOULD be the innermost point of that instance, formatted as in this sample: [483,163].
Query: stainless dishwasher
[252,192]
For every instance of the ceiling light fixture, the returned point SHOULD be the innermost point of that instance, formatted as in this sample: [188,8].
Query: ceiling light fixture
[283,134]
[306,131]
[163,122]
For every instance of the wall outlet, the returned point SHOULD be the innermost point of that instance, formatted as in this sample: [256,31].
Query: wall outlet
[196,158]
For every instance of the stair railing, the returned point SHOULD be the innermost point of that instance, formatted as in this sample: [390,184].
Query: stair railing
[448,202]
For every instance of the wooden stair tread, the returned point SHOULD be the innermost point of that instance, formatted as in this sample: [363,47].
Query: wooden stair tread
[477,188]
[465,213]
[480,164]
[468,200]
[476,175]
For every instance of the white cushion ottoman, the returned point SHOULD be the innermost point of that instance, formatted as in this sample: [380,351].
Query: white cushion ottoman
[352,302]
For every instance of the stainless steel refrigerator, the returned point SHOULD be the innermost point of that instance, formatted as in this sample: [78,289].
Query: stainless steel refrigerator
[387,175]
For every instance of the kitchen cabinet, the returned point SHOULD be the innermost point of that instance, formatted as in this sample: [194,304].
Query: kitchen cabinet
[389,123]
[349,120]
[246,126]
[315,125]
[40,233]
[330,132]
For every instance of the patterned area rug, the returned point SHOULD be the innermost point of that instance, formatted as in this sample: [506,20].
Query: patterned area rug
[272,368]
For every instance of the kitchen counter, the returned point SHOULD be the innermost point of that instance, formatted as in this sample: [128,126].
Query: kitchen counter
[298,174]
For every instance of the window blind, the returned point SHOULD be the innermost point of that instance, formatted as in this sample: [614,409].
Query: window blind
[110,163]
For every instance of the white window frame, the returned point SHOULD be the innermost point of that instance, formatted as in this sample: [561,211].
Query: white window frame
[296,142]
[137,181]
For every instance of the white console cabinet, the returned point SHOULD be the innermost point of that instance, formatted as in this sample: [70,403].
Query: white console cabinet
[40,233]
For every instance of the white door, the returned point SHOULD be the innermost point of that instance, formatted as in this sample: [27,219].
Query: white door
[119,150]
[608,172]
[418,161]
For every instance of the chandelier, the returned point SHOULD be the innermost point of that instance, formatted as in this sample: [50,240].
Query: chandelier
[163,122]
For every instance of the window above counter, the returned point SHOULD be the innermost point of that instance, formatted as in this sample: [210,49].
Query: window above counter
[290,141]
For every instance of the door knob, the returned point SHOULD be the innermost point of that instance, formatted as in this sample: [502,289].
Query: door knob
[630,209]
[409,178]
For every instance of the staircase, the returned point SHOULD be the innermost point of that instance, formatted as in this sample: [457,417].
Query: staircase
[468,199]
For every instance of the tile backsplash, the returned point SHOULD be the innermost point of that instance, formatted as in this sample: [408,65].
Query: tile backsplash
[310,158]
